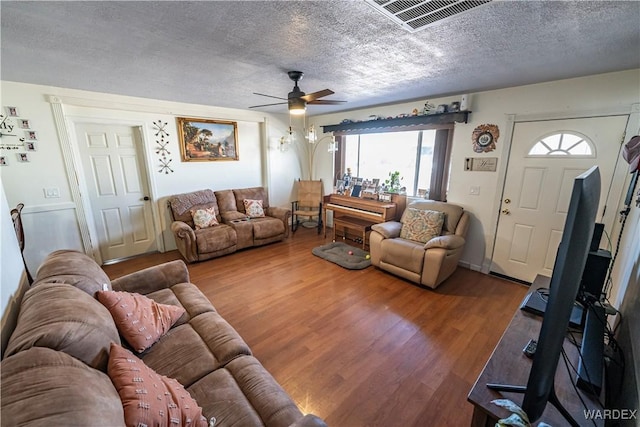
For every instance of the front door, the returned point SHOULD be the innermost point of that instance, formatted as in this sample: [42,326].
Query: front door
[118,190]
[545,158]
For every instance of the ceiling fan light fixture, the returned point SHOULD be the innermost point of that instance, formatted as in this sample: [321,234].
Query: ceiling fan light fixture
[297,106]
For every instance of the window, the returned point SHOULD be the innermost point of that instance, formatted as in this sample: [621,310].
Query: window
[563,144]
[421,157]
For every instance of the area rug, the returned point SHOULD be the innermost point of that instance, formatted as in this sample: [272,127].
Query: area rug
[338,253]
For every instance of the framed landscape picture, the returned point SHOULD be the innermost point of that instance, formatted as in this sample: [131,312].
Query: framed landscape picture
[207,140]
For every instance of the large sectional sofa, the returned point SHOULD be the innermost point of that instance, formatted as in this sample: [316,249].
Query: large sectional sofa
[236,229]
[56,368]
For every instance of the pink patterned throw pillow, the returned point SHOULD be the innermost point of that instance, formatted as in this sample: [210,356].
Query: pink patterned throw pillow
[253,208]
[148,398]
[140,320]
[204,218]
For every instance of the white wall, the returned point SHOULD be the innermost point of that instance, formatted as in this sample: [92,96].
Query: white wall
[565,98]
[53,222]
[260,161]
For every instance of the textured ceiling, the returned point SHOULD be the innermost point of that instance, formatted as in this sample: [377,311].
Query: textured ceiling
[219,53]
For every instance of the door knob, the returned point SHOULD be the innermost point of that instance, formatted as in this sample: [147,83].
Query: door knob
[506,212]
[146,198]
[507,201]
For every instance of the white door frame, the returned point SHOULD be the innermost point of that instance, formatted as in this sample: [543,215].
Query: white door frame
[619,173]
[71,155]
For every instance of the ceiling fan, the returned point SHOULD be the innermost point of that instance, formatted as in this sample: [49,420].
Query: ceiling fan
[297,99]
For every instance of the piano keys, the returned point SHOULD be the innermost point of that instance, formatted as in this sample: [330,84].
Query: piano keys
[367,209]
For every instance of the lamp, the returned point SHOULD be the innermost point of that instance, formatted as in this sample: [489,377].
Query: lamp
[306,151]
[297,106]
[311,135]
[315,143]
[287,140]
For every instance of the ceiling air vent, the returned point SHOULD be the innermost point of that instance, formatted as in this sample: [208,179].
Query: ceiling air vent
[415,15]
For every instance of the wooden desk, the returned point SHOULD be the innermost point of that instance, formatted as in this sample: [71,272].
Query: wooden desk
[508,365]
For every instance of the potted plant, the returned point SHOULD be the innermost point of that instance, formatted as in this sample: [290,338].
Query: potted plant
[392,184]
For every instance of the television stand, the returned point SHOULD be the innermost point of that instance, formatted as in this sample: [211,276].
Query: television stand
[553,399]
[509,365]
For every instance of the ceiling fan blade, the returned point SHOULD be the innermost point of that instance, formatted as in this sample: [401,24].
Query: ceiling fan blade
[270,96]
[315,95]
[325,102]
[268,105]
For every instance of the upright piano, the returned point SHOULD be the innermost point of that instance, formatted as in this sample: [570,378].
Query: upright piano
[368,209]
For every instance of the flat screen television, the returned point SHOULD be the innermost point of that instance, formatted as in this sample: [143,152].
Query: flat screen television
[563,289]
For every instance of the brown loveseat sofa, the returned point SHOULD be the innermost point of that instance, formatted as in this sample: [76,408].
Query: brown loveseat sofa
[54,367]
[235,231]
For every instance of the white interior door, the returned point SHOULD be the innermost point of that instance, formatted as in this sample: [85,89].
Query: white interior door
[117,184]
[538,186]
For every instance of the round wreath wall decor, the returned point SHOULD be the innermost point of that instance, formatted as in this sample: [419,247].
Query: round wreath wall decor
[484,138]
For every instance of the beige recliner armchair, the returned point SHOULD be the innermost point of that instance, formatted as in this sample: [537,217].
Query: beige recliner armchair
[426,263]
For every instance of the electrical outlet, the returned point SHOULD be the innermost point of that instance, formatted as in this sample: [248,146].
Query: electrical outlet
[474,190]
[51,192]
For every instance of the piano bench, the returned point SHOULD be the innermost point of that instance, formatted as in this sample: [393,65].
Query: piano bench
[361,226]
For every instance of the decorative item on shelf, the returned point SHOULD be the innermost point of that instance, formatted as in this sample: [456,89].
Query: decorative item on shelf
[454,107]
[161,150]
[207,140]
[442,108]
[370,189]
[464,102]
[485,138]
[429,108]
[392,185]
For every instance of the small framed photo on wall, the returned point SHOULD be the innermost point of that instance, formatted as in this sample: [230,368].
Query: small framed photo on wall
[24,124]
[12,111]
[23,157]
[30,146]
[31,135]
[4,161]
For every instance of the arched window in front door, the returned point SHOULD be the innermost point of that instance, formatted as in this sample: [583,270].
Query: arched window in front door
[563,144]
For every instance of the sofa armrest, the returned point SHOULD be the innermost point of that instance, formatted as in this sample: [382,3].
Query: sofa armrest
[154,278]
[277,212]
[185,240]
[389,229]
[309,420]
[445,242]
[283,214]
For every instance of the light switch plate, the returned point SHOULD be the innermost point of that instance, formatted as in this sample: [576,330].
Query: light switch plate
[51,192]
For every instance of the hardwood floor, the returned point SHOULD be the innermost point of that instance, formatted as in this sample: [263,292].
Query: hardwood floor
[357,348]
